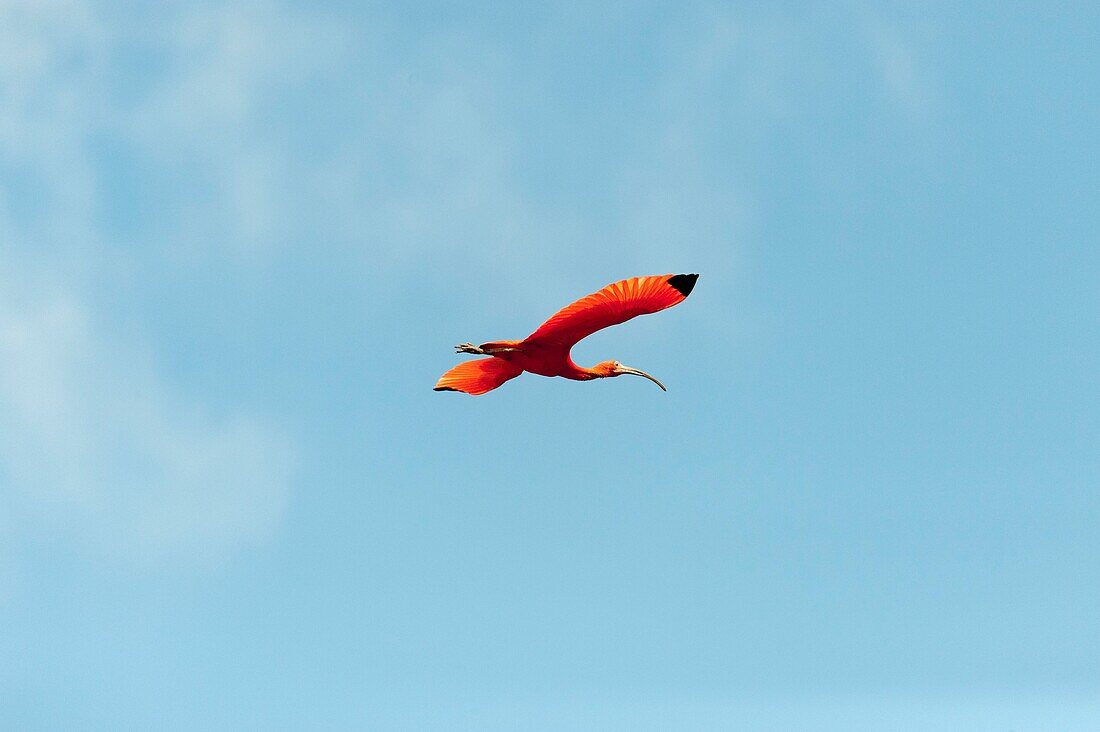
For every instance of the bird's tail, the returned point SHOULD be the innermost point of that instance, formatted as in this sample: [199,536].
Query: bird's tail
[478,376]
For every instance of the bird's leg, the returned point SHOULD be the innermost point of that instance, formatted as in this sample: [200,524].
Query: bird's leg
[469,348]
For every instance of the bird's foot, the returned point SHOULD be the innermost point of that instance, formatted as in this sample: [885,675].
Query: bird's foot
[469,348]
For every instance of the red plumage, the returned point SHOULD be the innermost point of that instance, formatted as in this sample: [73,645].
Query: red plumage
[546,351]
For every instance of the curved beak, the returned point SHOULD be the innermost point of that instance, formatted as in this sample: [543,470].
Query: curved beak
[643,374]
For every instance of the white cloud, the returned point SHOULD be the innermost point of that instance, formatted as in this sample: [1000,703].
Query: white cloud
[210,117]
[438,164]
[431,166]
[95,444]
[92,440]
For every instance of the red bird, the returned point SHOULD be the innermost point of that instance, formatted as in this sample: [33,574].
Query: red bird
[546,351]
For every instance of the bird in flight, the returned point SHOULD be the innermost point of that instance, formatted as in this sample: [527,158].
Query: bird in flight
[546,351]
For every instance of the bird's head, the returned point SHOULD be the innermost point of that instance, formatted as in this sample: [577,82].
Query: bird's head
[607,369]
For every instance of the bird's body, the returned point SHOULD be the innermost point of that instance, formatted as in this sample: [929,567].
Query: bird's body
[546,351]
[536,358]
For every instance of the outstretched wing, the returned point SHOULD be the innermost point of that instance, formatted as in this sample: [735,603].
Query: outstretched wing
[478,376]
[614,304]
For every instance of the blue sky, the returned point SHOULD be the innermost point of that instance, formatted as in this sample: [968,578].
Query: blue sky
[238,240]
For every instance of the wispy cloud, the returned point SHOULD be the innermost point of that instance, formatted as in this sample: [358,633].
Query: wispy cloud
[96,444]
[438,162]
[211,117]
[429,159]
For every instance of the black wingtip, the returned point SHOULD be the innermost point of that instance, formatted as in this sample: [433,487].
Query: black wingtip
[444,388]
[684,283]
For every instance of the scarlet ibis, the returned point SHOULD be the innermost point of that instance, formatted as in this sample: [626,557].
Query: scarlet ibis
[546,351]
